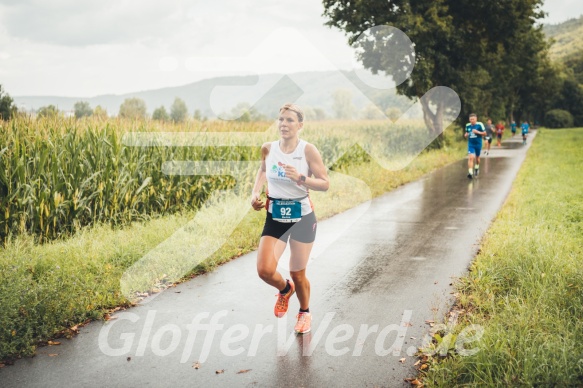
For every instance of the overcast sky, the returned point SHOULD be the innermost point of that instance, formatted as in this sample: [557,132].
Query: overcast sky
[86,48]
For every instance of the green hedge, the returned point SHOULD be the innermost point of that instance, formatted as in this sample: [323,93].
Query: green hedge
[558,118]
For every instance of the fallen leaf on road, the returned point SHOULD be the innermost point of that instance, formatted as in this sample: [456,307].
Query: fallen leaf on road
[53,354]
[402,360]
[220,371]
[429,321]
[407,324]
[424,366]
[243,371]
[417,363]
[51,343]
[414,381]
[196,365]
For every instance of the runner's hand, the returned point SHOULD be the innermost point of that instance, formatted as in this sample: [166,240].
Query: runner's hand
[291,173]
[256,202]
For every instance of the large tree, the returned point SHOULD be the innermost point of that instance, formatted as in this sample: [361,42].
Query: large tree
[7,107]
[523,77]
[160,114]
[48,111]
[451,40]
[100,112]
[178,110]
[133,108]
[570,99]
[82,109]
[575,63]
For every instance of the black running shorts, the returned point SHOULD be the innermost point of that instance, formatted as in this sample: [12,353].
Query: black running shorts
[303,231]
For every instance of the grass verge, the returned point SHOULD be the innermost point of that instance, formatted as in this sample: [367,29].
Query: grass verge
[525,288]
[48,288]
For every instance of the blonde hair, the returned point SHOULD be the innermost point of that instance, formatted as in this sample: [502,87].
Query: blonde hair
[294,108]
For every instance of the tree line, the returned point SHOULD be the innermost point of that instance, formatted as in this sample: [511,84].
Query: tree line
[136,108]
[131,108]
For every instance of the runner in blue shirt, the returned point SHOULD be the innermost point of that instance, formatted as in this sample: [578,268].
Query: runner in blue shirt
[524,127]
[474,133]
[513,128]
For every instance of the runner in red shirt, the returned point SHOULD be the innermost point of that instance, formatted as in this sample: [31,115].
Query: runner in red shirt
[499,132]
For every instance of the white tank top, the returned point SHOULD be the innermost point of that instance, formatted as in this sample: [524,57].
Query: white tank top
[278,185]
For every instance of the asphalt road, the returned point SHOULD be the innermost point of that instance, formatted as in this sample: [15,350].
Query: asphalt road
[382,270]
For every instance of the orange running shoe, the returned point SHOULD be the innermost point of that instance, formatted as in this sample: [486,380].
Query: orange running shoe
[282,300]
[304,324]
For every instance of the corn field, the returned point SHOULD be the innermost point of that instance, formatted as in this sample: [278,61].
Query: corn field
[58,175]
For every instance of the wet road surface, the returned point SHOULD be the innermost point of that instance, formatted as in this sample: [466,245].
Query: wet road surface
[386,268]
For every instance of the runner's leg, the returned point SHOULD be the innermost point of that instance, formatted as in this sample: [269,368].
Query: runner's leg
[268,254]
[300,254]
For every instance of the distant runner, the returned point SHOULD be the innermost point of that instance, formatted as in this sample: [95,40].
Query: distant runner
[524,127]
[474,133]
[489,134]
[499,133]
[513,128]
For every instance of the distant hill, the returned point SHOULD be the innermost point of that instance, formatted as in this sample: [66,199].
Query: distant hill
[265,92]
[567,36]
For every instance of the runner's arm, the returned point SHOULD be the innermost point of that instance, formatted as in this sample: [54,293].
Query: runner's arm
[319,180]
[482,132]
[260,179]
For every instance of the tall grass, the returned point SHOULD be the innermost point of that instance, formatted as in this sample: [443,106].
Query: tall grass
[58,175]
[525,288]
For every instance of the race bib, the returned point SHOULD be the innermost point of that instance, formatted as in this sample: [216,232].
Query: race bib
[284,210]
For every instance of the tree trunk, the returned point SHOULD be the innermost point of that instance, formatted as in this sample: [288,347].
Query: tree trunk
[434,121]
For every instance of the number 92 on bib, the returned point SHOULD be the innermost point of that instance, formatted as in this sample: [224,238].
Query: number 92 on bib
[284,210]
